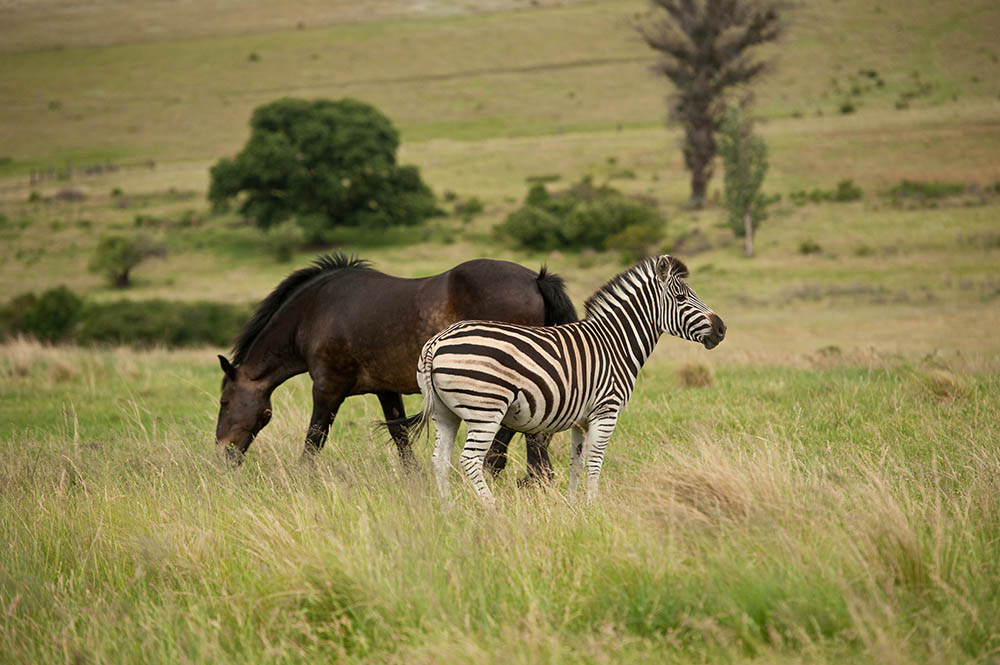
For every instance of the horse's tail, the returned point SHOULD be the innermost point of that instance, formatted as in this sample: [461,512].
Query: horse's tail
[558,307]
[416,423]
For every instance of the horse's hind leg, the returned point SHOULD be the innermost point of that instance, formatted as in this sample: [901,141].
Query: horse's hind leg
[496,458]
[539,464]
[392,408]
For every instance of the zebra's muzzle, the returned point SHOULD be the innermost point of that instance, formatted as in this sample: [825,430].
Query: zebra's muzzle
[716,334]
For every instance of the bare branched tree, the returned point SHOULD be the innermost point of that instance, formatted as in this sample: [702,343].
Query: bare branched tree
[705,46]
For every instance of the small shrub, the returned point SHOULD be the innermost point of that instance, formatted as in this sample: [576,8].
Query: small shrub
[542,179]
[469,208]
[283,239]
[695,375]
[847,191]
[847,107]
[809,247]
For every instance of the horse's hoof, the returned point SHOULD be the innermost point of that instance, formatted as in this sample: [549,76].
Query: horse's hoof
[536,480]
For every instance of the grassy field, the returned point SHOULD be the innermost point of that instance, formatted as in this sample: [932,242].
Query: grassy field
[822,488]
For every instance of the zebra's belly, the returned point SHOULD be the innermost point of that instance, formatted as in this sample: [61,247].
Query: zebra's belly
[521,418]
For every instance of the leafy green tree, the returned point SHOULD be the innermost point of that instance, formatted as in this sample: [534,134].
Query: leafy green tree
[116,256]
[744,155]
[325,163]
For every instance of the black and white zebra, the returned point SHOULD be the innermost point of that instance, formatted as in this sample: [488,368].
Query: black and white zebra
[548,379]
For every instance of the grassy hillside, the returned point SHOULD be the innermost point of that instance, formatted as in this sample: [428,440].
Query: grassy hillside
[574,67]
[827,493]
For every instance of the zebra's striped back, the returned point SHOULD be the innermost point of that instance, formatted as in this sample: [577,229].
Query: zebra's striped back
[548,379]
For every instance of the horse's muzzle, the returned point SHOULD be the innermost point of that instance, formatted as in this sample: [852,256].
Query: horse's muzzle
[716,334]
[230,453]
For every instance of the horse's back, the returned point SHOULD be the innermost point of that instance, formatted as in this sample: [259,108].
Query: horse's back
[372,325]
[491,290]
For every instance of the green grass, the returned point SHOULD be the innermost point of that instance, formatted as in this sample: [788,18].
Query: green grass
[746,520]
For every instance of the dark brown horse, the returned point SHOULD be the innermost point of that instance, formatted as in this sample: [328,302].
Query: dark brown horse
[357,331]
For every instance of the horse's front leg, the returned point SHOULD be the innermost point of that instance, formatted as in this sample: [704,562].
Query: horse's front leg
[392,409]
[327,399]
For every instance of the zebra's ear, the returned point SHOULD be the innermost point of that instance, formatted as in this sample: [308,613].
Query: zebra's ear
[663,267]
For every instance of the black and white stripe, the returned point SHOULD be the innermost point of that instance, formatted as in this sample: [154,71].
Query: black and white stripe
[548,379]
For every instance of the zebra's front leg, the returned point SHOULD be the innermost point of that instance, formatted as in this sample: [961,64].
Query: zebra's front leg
[599,432]
[445,430]
[477,444]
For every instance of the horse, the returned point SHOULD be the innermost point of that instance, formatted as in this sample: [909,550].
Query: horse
[356,331]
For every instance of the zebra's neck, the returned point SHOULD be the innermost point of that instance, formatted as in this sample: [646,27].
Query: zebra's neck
[625,313]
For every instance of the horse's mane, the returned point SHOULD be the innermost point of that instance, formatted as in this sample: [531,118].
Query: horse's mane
[270,305]
[606,294]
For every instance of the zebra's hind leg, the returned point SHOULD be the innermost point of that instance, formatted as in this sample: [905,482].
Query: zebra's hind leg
[576,457]
[477,444]
[446,425]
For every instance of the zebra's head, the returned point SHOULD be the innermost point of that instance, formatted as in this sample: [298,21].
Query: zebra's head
[684,314]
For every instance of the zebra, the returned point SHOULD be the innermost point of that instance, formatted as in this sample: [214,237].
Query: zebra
[541,380]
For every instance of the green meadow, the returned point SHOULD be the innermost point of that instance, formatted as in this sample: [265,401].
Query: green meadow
[821,488]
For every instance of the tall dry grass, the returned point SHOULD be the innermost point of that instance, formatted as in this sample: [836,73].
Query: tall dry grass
[128,541]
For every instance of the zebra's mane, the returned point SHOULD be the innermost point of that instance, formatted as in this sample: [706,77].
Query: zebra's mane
[610,294]
[322,266]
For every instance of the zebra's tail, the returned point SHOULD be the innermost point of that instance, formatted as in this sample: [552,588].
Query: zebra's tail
[417,423]
[558,307]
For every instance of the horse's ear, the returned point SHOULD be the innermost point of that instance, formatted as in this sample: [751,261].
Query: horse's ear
[227,367]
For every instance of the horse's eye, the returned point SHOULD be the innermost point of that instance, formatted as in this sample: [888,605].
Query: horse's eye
[681,297]
[223,402]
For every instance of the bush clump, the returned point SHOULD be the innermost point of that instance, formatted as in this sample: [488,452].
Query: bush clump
[160,322]
[60,315]
[49,317]
[921,190]
[583,216]
[844,192]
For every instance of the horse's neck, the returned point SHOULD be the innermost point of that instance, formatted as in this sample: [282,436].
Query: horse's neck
[274,357]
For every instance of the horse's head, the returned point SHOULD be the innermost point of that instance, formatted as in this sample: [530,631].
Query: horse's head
[684,314]
[244,410]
